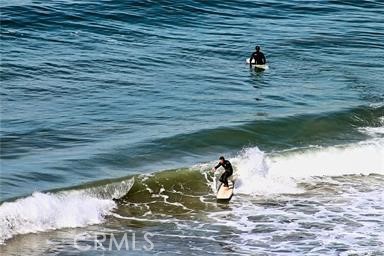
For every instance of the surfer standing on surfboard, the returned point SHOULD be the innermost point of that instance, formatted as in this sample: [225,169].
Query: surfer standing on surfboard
[228,170]
[258,56]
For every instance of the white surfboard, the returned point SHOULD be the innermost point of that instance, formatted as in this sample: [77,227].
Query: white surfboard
[265,66]
[225,193]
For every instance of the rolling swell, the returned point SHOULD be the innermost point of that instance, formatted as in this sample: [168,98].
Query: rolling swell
[167,191]
[180,192]
[270,135]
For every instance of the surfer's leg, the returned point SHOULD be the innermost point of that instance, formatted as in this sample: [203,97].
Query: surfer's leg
[224,178]
[221,178]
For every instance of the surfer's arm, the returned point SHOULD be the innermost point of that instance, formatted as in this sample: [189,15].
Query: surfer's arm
[217,166]
[250,60]
[264,59]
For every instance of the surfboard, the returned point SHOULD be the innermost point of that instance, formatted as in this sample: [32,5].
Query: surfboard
[225,193]
[265,66]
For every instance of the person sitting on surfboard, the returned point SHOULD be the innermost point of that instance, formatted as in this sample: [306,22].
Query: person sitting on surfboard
[258,56]
[228,170]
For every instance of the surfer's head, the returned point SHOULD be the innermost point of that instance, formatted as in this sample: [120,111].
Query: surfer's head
[257,48]
[222,159]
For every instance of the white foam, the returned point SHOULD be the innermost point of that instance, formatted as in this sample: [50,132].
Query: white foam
[374,131]
[254,176]
[67,209]
[46,211]
[346,221]
[260,173]
[359,158]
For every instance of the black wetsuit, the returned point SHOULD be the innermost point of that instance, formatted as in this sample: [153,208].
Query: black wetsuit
[228,171]
[259,58]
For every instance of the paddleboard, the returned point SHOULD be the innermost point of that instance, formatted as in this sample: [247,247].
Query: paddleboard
[265,66]
[225,193]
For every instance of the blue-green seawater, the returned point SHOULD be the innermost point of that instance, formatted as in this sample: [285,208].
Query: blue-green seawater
[137,99]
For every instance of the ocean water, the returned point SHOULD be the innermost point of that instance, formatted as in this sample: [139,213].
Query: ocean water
[136,100]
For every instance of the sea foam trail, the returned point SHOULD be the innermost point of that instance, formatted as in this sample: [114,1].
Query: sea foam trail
[66,209]
[261,173]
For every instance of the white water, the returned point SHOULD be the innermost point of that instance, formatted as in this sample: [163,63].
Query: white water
[351,222]
[69,209]
[254,175]
[263,174]
[341,215]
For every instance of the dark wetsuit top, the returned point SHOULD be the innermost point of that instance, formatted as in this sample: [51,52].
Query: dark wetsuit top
[227,166]
[259,57]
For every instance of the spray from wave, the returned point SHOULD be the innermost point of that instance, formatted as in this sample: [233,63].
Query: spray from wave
[66,209]
[255,177]
[264,174]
